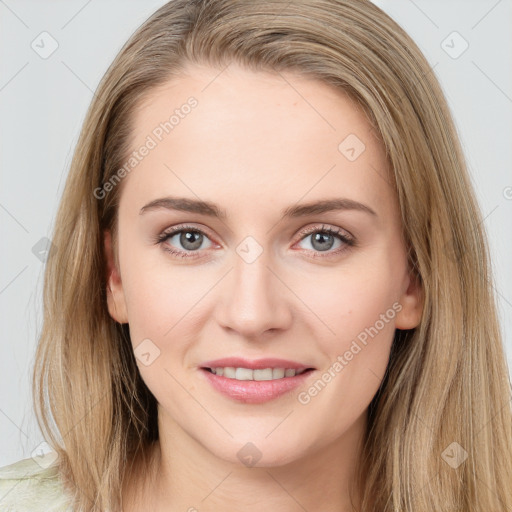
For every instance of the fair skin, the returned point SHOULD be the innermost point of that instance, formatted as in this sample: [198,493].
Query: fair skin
[255,146]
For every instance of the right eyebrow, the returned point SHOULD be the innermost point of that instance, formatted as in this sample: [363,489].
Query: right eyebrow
[185,205]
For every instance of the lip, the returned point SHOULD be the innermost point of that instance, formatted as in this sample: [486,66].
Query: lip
[253,391]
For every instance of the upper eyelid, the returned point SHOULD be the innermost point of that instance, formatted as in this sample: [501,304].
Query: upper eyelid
[172,231]
[328,228]
[336,231]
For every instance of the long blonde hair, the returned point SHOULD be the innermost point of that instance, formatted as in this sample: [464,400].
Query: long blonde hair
[447,380]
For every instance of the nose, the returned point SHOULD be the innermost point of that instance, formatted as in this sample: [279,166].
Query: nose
[253,299]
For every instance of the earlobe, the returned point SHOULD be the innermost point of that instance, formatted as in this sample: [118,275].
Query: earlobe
[411,301]
[115,294]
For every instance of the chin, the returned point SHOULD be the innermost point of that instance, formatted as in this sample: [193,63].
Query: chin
[258,452]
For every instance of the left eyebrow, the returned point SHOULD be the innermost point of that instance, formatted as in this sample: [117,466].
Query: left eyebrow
[212,210]
[326,205]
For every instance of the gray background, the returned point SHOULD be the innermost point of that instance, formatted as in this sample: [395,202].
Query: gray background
[43,103]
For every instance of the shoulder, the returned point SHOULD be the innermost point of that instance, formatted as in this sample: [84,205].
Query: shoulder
[25,486]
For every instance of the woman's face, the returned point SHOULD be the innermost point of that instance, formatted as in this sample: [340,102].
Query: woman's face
[254,274]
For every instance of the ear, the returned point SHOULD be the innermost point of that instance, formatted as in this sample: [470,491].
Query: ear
[115,294]
[411,301]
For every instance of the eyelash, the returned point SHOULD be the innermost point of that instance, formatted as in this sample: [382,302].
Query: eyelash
[348,242]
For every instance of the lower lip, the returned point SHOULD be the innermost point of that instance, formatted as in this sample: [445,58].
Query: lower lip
[255,391]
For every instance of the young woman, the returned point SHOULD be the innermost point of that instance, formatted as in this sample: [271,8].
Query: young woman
[270,284]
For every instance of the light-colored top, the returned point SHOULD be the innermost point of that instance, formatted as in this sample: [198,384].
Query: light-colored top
[25,486]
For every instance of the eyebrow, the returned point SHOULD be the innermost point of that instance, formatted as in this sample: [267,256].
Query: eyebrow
[212,210]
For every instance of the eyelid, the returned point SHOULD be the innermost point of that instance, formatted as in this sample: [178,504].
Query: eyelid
[303,232]
[346,238]
[326,228]
[174,230]
[186,227]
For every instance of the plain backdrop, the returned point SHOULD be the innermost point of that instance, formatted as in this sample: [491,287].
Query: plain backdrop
[53,54]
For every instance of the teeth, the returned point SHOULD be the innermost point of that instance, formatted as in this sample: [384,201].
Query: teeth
[278,373]
[265,374]
[259,374]
[243,374]
[229,372]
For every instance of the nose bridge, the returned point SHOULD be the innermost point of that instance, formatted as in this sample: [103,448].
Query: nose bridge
[255,299]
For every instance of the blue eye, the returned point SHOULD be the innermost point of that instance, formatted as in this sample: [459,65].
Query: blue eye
[191,240]
[323,239]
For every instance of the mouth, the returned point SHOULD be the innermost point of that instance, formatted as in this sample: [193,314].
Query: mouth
[255,382]
[259,374]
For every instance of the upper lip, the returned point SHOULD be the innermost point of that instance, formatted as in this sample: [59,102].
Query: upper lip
[255,364]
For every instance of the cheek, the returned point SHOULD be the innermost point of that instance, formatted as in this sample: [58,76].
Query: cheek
[348,300]
[361,312]
[167,303]
[159,304]
[155,293]
[357,308]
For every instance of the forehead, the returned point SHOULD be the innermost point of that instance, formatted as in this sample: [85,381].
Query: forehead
[262,135]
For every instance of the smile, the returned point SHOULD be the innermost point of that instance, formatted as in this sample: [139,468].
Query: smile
[254,381]
[259,374]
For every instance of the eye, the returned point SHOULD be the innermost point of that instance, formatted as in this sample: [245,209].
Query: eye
[189,238]
[324,238]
